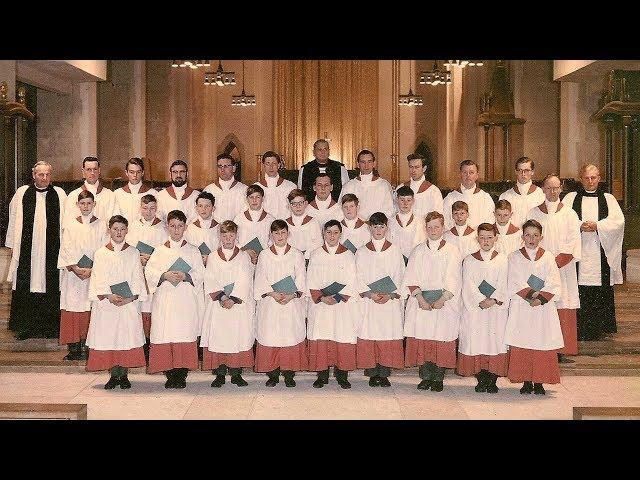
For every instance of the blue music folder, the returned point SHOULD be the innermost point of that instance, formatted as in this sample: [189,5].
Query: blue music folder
[535,282]
[180,266]
[85,262]
[144,248]
[204,249]
[350,246]
[286,285]
[228,289]
[486,288]
[431,295]
[122,289]
[384,285]
[254,245]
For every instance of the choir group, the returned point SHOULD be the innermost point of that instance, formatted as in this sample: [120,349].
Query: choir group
[373,278]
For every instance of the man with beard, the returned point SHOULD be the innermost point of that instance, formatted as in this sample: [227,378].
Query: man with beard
[33,234]
[178,195]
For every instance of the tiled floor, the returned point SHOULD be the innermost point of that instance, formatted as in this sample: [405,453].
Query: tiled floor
[148,399]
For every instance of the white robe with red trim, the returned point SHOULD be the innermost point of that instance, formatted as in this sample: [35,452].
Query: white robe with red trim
[375,195]
[406,233]
[275,196]
[183,199]
[428,197]
[112,327]
[481,207]
[340,322]
[207,231]
[521,204]
[229,330]
[433,270]
[465,238]
[482,330]
[105,204]
[128,200]
[280,325]
[356,231]
[535,328]
[231,199]
[304,234]
[78,239]
[254,225]
[561,234]
[323,211]
[381,321]
[176,310]
[509,238]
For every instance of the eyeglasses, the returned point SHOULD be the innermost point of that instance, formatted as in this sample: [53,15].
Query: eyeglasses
[297,204]
[225,166]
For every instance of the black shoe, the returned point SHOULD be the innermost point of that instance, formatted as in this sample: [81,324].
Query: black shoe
[563,359]
[322,380]
[482,385]
[492,378]
[180,383]
[239,381]
[424,385]
[437,386]
[218,382]
[83,353]
[319,383]
[272,382]
[384,382]
[343,382]
[288,379]
[72,355]
[124,383]
[538,389]
[527,388]
[374,382]
[112,383]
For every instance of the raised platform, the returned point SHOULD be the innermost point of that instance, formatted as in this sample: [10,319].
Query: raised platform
[43,411]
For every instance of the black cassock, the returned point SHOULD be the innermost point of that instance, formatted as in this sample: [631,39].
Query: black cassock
[37,315]
[597,312]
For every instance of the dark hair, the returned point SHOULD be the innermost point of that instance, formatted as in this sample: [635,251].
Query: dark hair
[323,175]
[432,216]
[378,218]
[90,159]
[178,215]
[228,226]
[134,161]
[206,196]
[86,194]
[349,197]
[417,156]
[296,192]
[179,162]
[279,225]
[364,152]
[459,205]
[405,191]
[148,198]
[271,153]
[465,163]
[255,189]
[532,223]
[504,205]
[332,223]
[488,227]
[227,157]
[118,219]
[525,160]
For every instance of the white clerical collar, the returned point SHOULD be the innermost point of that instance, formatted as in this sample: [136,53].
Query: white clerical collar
[297,219]
[486,255]
[135,188]
[86,218]
[146,222]
[322,167]
[280,250]
[523,188]
[366,178]
[531,253]
[502,229]
[227,253]
[323,204]
[117,246]
[404,217]
[332,250]
[378,244]
[180,191]
[460,229]
[271,181]
[467,190]
[415,184]
[552,207]
[351,223]
[226,184]
[173,244]
[92,188]
[205,221]
[255,214]
[591,191]
[433,244]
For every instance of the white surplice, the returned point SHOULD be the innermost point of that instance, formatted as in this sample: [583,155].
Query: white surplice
[128,200]
[509,238]
[522,199]
[374,193]
[254,224]
[464,237]
[105,203]
[207,231]
[406,231]
[356,231]
[275,195]
[231,198]
[481,206]
[304,234]
[428,197]
[324,210]
[177,198]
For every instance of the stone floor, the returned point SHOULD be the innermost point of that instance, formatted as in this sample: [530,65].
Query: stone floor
[148,399]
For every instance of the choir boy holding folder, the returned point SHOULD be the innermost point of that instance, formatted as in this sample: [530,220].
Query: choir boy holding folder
[253,224]
[380,270]
[279,283]
[228,327]
[174,275]
[305,232]
[406,228]
[334,312]
[115,336]
[481,348]
[433,280]
[354,230]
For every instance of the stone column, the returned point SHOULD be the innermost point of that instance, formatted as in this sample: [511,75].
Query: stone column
[569,130]
[85,122]
[138,109]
